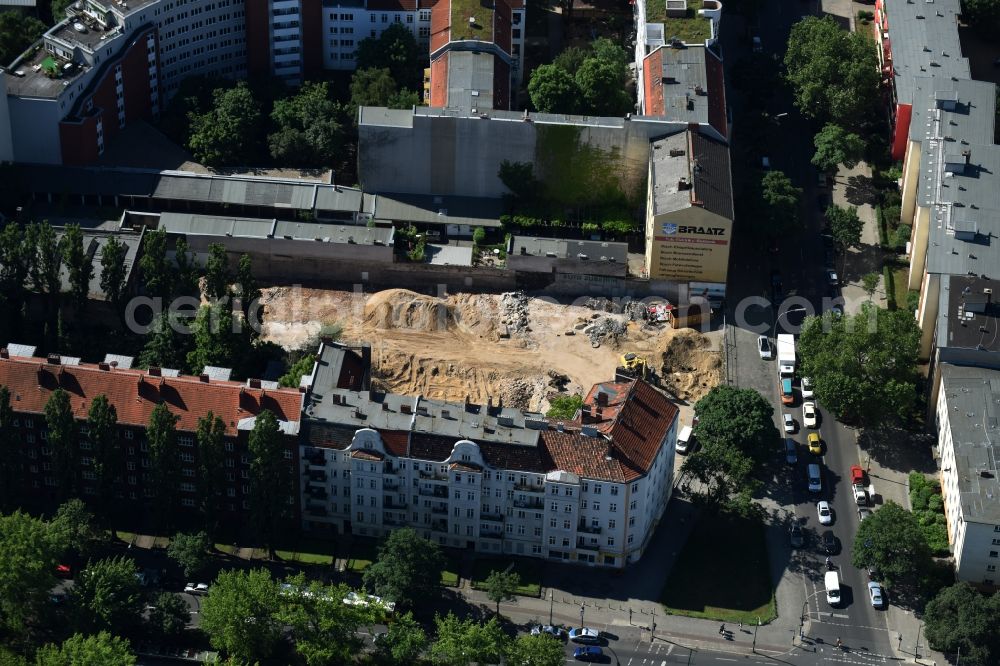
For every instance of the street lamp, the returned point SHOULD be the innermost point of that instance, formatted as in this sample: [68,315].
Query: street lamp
[582,608]
[916,647]
[551,603]
[774,329]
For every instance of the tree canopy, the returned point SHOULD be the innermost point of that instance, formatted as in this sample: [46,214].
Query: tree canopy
[736,434]
[224,135]
[863,366]
[323,629]
[835,146]
[960,618]
[190,551]
[983,15]
[891,541]
[539,650]
[408,568]
[396,50]
[29,551]
[170,615]
[18,31]
[553,90]
[833,72]
[461,642]
[590,81]
[404,642]
[106,596]
[845,225]
[239,614]
[782,201]
[376,87]
[78,264]
[311,127]
[80,650]
[501,586]
[271,480]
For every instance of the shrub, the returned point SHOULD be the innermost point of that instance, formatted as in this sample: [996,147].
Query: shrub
[912,300]
[564,406]
[479,235]
[936,503]
[892,215]
[589,227]
[900,237]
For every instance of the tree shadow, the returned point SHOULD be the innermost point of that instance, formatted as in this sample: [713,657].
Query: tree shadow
[898,449]
[861,190]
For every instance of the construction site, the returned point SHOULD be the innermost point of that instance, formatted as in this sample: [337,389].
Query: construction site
[517,348]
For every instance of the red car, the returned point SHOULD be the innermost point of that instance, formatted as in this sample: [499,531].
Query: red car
[857,475]
[64,571]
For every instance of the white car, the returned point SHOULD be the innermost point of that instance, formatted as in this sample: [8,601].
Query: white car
[831,277]
[809,414]
[825,513]
[555,632]
[764,347]
[585,635]
[196,588]
[876,595]
[789,422]
[807,388]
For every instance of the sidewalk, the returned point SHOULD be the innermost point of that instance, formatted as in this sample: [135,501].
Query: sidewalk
[857,262]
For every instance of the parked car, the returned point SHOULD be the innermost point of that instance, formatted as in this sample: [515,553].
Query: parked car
[791,451]
[556,632]
[196,588]
[809,414]
[757,46]
[764,347]
[815,444]
[795,535]
[787,392]
[807,388]
[831,277]
[825,513]
[789,422]
[586,635]
[64,571]
[864,512]
[829,542]
[589,653]
[875,595]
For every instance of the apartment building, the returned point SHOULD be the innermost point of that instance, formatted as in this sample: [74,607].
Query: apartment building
[967,418]
[134,393]
[108,63]
[493,478]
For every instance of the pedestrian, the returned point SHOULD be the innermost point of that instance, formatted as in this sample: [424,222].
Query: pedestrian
[741,624]
[722,629]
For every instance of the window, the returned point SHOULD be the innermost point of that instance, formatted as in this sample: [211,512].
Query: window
[611,541]
[596,506]
[613,507]
[569,492]
[583,504]
[630,538]
[597,489]
[614,490]
[228,446]
[991,567]
[552,522]
[993,553]
[185,440]
[631,521]
[565,524]
[632,505]
[552,541]
[470,513]
[996,542]
[565,542]
[611,524]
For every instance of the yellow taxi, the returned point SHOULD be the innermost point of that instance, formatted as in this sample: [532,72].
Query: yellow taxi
[815,443]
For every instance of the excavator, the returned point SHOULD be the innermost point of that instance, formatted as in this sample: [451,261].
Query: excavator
[632,365]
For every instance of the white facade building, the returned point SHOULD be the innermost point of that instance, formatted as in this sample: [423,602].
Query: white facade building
[967,412]
[495,479]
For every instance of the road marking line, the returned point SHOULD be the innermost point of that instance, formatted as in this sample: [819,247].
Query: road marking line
[841,615]
[724,659]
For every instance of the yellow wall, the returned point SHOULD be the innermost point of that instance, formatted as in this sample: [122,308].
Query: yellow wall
[918,246]
[911,176]
[927,313]
[688,245]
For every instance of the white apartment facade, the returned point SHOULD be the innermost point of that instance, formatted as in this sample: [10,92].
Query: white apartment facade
[966,417]
[494,479]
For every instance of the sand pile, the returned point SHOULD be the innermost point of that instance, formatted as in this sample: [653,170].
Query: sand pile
[690,364]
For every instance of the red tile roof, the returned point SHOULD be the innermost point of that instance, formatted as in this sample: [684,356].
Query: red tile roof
[362,454]
[439,82]
[440,24]
[716,93]
[652,83]
[135,393]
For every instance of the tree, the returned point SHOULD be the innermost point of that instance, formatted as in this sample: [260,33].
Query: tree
[74,526]
[519,178]
[217,276]
[293,377]
[984,15]
[168,343]
[102,433]
[29,551]
[553,90]
[44,260]
[564,406]
[216,342]
[106,595]
[405,640]
[845,225]
[396,49]
[833,72]
[836,146]
[372,87]
[14,257]
[408,568]
[113,254]
[602,87]
[782,200]
[61,436]
[17,32]
[311,127]
[249,295]
[736,435]
[570,59]
[78,265]
[190,551]
[240,614]
[58,9]
[8,450]
[324,630]
[78,650]
[404,99]
[890,540]
[461,642]
[271,481]
[164,459]
[869,282]
[170,615]
[210,472]
[863,366]
[501,586]
[225,134]
[540,650]
[960,618]
[157,276]
[185,280]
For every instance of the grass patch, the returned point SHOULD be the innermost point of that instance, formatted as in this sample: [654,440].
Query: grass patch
[702,581]
[127,537]
[449,578]
[304,558]
[899,279]
[227,548]
[691,29]
[531,584]
[481,28]
[883,232]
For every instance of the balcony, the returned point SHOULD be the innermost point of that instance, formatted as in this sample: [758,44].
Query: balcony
[488,534]
[390,520]
[390,484]
[314,456]
[529,488]
[589,529]
[439,509]
[436,491]
[537,504]
[393,502]
[316,509]
[316,493]
[439,526]
[494,517]
[433,476]
[316,477]
[581,544]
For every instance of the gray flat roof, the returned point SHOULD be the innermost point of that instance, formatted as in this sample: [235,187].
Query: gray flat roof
[970,118]
[570,249]
[448,255]
[670,167]
[430,209]
[924,42]
[335,233]
[235,190]
[247,227]
[94,241]
[968,315]
[973,400]
[25,77]
[682,73]
[470,81]
[381,116]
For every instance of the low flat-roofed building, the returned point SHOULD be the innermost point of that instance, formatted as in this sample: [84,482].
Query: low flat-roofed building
[560,255]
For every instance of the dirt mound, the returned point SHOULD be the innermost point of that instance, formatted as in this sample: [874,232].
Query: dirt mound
[401,308]
[690,364]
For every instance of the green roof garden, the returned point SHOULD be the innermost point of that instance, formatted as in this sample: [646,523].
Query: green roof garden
[463,28]
[690,29]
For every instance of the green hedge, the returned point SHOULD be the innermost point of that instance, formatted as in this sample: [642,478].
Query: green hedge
[928,506]
[890,287]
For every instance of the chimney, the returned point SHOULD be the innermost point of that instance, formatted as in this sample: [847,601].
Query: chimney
[602,398]
[53,359]
[104,366]
[598,412]
[254,383]
[203,378]
[154,371]
[385,407]
[5,353]
[406,409]
[683,184]
[967,154]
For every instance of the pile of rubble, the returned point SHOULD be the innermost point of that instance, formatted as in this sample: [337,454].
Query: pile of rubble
[605,329]
[634,310]
[514,313]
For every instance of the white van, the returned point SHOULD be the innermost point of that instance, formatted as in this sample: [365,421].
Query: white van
[685,439]
[815,478]
[831,581]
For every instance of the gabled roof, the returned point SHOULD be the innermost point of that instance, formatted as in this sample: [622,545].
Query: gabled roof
[135,393]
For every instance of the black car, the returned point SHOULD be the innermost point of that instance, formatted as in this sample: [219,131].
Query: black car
[829,543]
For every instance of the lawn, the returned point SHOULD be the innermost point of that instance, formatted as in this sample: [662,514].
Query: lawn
[304,558]
[691,29]
[722,579]
[900,276]
[462,11]
[531,585]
